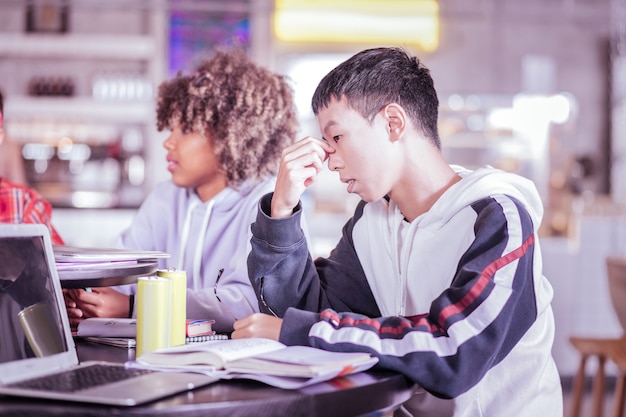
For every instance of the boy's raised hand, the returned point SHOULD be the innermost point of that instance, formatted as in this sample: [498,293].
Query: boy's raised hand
[299,165]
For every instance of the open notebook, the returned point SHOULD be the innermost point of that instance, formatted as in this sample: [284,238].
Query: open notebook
[38,357]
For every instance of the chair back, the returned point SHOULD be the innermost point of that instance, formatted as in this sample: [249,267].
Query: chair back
[616,271]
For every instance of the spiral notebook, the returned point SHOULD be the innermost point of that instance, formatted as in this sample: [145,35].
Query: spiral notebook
[36,344]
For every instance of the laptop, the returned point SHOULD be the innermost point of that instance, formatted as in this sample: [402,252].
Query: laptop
[38,357]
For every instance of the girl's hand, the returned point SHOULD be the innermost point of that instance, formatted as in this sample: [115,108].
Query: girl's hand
[99,302]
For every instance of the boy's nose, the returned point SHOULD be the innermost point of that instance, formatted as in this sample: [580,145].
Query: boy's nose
[334,162]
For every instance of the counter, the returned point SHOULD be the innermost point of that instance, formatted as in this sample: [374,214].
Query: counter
[91,227]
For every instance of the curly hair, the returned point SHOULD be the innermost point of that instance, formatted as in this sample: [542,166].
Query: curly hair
[246,111]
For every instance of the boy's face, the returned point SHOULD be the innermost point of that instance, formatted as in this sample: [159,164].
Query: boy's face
[364,157]
[193,163]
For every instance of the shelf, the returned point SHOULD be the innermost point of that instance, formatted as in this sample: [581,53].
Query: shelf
[133,47]
[73,108]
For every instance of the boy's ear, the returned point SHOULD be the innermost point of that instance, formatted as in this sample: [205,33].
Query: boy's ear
[396,120]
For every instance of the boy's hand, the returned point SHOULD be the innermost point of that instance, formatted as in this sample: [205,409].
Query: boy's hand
[258,325]
[299,165]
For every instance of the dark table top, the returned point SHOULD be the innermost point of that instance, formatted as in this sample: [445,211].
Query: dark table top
[353,395]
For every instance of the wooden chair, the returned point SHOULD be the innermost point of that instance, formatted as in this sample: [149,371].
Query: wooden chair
[616,271]
[613,349]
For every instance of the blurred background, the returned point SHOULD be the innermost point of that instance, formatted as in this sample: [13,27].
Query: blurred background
[536,87]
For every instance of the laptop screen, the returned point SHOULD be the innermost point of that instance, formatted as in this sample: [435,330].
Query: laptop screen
[30,321]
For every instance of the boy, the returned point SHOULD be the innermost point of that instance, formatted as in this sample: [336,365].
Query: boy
[438,273]
[21,204]
[229,122]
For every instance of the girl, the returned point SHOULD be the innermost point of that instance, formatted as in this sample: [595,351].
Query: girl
[229,122]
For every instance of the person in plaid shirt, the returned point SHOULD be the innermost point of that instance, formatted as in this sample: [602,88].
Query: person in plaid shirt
[20,204]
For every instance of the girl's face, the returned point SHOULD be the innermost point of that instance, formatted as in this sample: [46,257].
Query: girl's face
[193,164]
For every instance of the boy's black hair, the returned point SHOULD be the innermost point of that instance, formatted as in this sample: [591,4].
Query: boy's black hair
[376,77]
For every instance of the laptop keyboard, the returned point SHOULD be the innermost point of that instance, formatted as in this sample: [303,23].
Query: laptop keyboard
[81,378]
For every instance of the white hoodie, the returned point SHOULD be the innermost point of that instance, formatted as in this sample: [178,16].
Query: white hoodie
[455,299]
[203,238]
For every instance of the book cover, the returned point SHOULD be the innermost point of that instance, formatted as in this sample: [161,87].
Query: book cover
[195,328]
[107,327]
[122,342]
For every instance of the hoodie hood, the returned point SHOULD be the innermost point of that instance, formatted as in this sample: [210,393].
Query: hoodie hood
[480,183]
[226,199]
[437,230]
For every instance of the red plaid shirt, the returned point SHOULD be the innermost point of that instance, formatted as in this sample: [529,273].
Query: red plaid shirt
[19,204]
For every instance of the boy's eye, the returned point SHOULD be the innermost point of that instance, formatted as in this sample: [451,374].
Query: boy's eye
[336,138]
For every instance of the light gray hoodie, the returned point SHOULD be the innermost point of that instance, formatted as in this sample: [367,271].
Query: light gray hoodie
[203,238]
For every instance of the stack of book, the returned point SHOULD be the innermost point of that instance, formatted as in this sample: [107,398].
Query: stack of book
[122,332]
